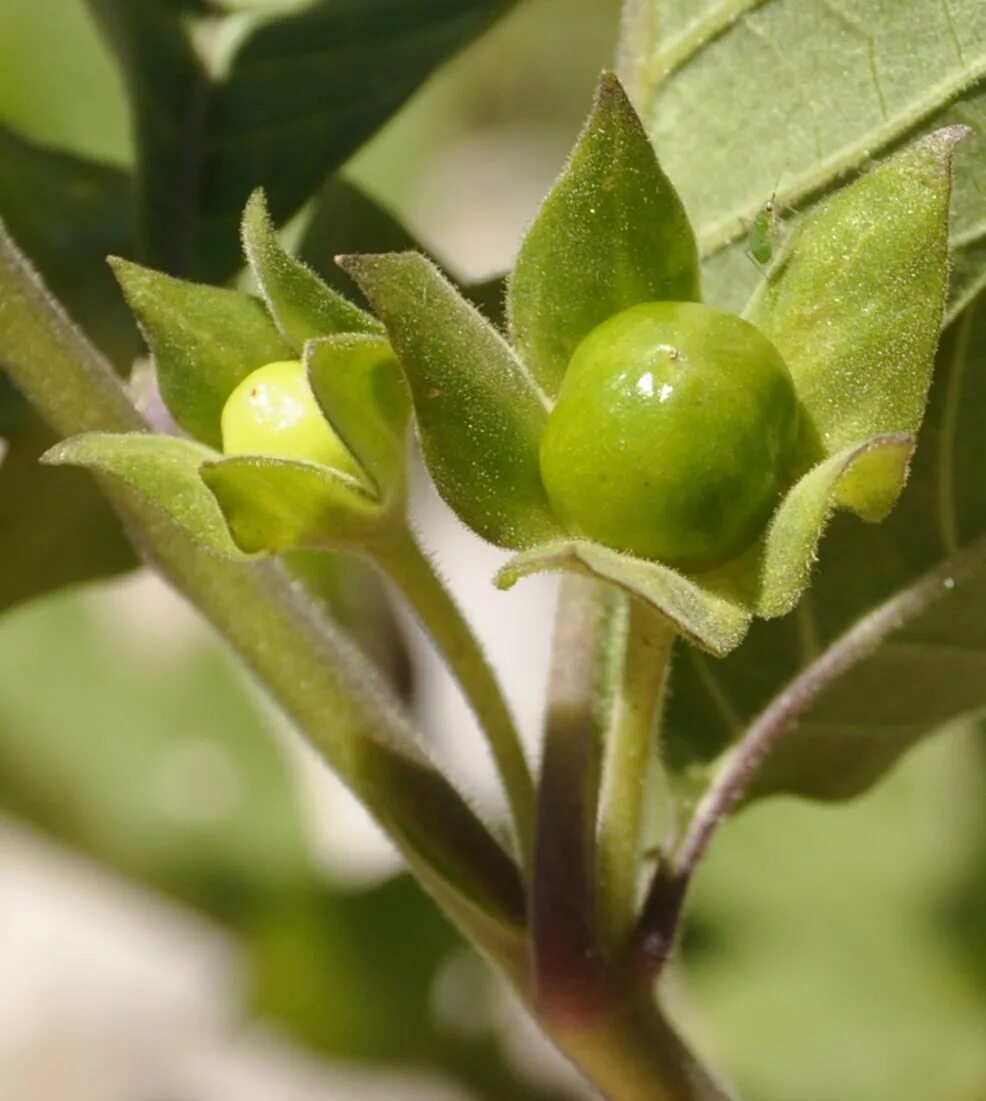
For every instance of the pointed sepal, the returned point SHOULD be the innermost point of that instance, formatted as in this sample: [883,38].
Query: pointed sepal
[479,412]
[205,341]
[302,305]
[612,233]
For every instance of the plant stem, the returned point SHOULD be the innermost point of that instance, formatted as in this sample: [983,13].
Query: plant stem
[568,965]
[403,561]
[599,1015]
[631,1053]
[320,680]
[662,909]
[629,745]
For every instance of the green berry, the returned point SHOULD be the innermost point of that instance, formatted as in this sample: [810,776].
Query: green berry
[274,412]
[672,436]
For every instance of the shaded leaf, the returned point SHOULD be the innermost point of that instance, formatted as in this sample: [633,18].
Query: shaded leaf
[163,469]
[923,675]
[274,505]
[168,91]
[68,214]
[611,234]
[856,302]
[479,413]
[358,383]
[713,622]
[750,97]
[300,92]
[299,302]
[205,341]
[346,220]
[56,528]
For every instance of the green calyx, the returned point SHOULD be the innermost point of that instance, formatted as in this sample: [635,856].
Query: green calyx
[672,436]
[691,457]
[273,412]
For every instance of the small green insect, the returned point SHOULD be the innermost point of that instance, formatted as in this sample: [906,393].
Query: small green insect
[763,233]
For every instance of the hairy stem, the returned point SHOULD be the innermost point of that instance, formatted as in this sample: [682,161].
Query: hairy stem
[316,676]
[403,560]
[629,746]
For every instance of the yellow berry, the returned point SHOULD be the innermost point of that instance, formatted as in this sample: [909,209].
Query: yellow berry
[274,412]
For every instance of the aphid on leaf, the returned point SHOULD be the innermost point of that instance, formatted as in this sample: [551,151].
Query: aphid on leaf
[763,233]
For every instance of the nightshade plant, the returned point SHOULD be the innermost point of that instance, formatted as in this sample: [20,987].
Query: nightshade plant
[676,462]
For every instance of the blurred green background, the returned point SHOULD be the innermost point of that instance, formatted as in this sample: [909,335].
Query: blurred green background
[831,953]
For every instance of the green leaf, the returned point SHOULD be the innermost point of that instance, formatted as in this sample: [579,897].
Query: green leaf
[297,95]
[745,97]
[359,386]
[299,302]
[714,622]
[163,470]
[205,341]
[68,215]
[479,413]
[166,84]
[611,234]
[274,505]
[856,302]
[903,687]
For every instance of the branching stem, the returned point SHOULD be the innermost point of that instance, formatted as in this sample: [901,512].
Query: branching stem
[662,910]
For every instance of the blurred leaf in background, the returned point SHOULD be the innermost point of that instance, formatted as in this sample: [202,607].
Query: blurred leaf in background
[833,952]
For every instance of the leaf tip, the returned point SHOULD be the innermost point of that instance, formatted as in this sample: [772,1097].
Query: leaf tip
[950,136]
[60,454]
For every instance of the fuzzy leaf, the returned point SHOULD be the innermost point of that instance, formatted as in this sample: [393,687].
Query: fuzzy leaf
[303,307]
[358,383]
[299,93]
[611,234]
[925,674]
[205,341]
[163,469]
[856,302]
[746,97]
[276,505]
[479,413]
[714,622]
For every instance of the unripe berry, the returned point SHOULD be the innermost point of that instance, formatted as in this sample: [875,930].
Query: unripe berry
[672,436]
[274,412]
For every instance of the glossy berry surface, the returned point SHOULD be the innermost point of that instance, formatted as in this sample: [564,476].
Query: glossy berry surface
[672,435]
[274,412]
